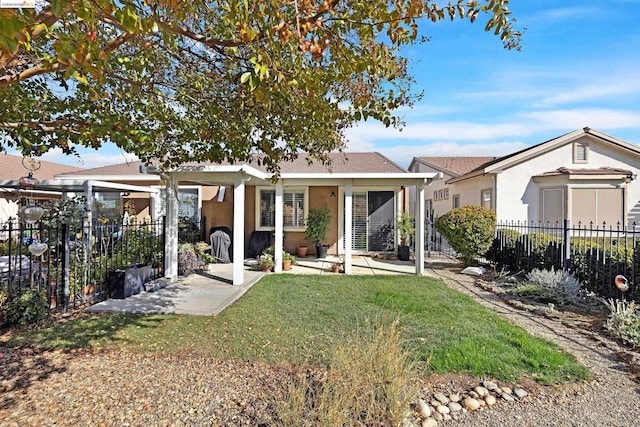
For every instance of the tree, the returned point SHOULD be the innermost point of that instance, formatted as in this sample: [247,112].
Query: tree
[203,80]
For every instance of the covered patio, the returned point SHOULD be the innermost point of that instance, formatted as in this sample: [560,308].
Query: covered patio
[240,176]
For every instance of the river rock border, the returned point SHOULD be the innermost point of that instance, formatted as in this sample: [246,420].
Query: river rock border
[439,408]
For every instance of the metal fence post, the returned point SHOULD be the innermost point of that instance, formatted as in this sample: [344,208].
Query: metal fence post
[567,245]
[66,248]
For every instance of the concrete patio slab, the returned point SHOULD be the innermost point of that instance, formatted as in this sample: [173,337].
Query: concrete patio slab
[194,295]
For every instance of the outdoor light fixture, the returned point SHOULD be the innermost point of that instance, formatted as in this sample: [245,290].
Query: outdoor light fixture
[333,194]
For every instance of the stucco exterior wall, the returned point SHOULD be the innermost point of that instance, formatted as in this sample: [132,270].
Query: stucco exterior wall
[519,197]
[470,190]
[439,205]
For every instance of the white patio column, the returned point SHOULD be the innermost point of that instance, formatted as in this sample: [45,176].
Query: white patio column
[419,219]
[238,231]
[348,227]
[171,227]
[279,231]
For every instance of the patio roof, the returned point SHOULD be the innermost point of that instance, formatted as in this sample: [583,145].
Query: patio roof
[77,186]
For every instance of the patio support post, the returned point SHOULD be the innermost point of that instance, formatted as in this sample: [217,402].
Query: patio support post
[238,231]
[279,231]
[419,226]
[171,239]
[348,227]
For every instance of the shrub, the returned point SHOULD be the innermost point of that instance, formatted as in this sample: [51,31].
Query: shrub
[595,265]
[623,321]
[369,383]
[503,248]
[559,286]
[469,230]
[538,250]
[30,307]
[189,260]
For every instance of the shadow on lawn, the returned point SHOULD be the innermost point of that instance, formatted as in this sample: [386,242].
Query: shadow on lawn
[30,356]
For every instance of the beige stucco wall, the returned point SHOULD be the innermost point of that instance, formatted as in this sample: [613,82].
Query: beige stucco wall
[470,190]
[518,195]
[440,207]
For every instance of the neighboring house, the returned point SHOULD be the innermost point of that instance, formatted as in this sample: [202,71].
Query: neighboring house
[584,176]
[12,168]
[364,191]
[439,196]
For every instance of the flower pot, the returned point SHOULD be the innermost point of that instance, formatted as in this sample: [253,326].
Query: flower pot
[335,268]
[265,267]
[286,265]
[321,251]
[403,252]
[302,251]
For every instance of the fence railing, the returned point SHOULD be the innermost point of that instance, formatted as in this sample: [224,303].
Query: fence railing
[594,253]
[78,263]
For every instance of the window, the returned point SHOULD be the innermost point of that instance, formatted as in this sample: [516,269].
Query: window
[446,194]
[485,199]
[456,201]
[294,208]
[580,152]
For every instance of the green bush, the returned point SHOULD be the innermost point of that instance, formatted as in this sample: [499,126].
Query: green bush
[469,230]
[503,248]
[623,321]
[596,264]
[538,250]
[30,307]
[558,286]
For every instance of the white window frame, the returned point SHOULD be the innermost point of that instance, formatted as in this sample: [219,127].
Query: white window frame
[158,209]
[298,189]
[482,193]
[456,197]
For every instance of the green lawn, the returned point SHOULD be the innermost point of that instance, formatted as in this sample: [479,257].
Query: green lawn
[289,318]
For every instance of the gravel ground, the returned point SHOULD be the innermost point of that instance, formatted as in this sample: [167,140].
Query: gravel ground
[123,388]
[611,398]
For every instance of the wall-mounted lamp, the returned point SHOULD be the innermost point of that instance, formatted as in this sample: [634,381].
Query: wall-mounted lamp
[333,194]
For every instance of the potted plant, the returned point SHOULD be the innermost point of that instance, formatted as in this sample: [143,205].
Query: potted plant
[287,261]
[317,227]
[302,251]
[266,262]
[405,227]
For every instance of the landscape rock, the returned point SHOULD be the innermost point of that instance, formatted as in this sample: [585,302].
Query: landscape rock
[454,406]
[490,399]
[481,391]
[520,393]
[471,404]
[508,397]
[441,398]
[490,385]
[454,397]
[424,408]
[443,409]
[429,422]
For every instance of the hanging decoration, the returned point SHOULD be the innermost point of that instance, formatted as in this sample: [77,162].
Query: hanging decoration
[31,213]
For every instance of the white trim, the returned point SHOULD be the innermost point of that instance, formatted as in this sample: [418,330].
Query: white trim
[347,215]
[238,231]
[279,227]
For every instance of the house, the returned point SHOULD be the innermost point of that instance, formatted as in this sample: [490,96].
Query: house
[364,191]
[439,197]
[14,167]
[584,176]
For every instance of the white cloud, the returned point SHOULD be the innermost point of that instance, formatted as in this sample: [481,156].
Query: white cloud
[88,158]
[597,118]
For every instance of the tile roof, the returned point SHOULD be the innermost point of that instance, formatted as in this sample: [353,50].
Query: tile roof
[593,172]
[371,162]
[11,168]
[457,165]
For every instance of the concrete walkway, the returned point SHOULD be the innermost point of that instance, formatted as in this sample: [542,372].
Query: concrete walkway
[195,295]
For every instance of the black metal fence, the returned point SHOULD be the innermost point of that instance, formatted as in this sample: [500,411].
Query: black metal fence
[73,265]
[594,253]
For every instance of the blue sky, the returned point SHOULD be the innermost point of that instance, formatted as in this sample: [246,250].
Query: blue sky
[579,66]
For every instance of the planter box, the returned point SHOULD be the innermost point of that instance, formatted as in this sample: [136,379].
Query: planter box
[123,284]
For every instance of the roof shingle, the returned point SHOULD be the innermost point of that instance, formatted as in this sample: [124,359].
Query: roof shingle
[11,168]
